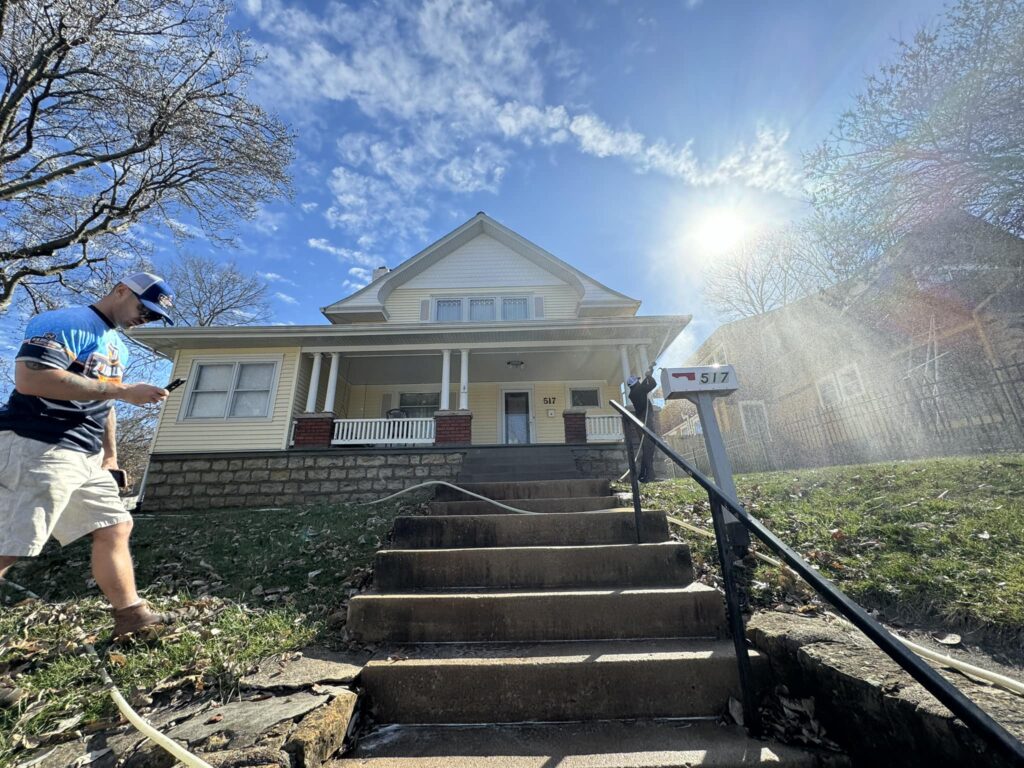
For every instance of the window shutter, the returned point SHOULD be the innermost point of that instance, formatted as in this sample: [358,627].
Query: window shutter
[385,404]
[424,310]
[538,306]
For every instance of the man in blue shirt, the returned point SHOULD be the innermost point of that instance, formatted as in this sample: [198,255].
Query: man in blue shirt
[58,439]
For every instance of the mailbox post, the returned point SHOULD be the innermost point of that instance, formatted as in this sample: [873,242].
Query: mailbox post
[701,385]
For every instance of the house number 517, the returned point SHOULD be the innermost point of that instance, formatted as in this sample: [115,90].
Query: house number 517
[550,400]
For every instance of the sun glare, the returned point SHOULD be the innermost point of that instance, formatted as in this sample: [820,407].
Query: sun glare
[719,230]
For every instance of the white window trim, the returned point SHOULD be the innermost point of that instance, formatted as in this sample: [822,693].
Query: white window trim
[831,379]
[583,385]
[193,378]
[764,411]
[495,297]
[839,382]
[397,403]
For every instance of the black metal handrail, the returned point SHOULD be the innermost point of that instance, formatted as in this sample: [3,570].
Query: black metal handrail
[949,695]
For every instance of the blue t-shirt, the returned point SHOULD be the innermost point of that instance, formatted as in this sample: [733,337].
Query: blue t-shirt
[80,340]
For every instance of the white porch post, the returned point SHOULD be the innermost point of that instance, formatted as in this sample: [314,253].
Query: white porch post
[645,361]
[446,379]
[332,382]
[464,381]
[314,383]
[624,357]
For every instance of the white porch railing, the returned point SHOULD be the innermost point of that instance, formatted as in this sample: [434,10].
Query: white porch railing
[389,431]
[604,429]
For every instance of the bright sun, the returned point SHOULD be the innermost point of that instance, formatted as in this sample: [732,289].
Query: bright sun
[719,230]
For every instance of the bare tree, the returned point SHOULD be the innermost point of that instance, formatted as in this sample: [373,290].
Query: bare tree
[939,129]
[756,277]
[208,292]
[116,112]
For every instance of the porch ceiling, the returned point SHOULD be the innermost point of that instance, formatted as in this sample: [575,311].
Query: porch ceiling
[485,366]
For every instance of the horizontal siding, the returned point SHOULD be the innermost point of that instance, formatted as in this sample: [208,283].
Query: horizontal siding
[483,262]
[403,305]
[175,436]
[483,402]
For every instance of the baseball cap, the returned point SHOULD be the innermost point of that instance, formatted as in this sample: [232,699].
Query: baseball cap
[153,292]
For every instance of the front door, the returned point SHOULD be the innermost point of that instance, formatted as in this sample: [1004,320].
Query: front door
[517,417]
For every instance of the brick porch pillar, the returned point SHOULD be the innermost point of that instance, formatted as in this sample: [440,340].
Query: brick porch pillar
[453,427]
[575,425]
[313,430]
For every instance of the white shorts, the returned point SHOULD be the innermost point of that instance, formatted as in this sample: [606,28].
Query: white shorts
[46,490]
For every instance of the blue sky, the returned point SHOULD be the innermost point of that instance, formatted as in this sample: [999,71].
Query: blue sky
[607,132]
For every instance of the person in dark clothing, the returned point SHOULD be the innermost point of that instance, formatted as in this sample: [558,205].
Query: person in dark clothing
[639,392]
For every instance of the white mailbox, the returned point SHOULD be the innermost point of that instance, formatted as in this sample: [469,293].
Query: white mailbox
[679,383]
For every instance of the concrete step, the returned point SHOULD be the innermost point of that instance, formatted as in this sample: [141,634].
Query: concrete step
[518,475]
[691,611]
[598,744]
[510,530]
[611,565]
[478,507]
[553,681]
[542,489]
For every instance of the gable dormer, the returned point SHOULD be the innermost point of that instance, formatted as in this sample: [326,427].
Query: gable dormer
[481,272]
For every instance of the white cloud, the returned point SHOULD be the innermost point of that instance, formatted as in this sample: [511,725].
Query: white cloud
[273,277]
[343,254]
[309,207]
[285,298]
[453,89]
[266,221]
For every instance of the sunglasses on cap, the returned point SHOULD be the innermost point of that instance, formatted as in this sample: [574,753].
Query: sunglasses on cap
[147,314]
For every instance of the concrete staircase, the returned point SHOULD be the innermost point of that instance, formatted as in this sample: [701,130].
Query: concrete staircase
[547,639]
[517,463]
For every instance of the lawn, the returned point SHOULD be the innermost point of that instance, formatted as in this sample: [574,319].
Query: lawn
[248,583]
[940,539]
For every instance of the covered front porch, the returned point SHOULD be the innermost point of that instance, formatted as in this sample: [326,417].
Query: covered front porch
[515,394]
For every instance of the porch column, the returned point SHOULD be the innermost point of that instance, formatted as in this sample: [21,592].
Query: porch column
[624,357]
[446,379]
[314,383]
[645,361]
[332,382]
[464,381]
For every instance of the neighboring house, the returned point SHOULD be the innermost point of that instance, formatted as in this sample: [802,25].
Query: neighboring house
[924,354]
[482,338]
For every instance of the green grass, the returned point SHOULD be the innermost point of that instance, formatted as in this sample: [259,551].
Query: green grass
[940,539]
[249,583]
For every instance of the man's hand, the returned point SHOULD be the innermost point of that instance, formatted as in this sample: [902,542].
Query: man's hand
[33,378]
[142,394]
[109,463]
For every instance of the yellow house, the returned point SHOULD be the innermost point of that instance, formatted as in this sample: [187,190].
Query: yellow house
[481,339]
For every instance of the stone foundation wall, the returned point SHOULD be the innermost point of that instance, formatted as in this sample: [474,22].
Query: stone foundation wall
[280,478]
[604,461]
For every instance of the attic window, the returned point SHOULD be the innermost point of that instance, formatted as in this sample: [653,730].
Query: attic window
[449,310]
[483,309]
[515,308]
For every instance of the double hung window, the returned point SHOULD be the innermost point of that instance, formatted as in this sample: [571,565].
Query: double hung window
[231,390]
[419,405]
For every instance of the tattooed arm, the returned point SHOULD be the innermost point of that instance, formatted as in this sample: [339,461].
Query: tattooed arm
[32,378]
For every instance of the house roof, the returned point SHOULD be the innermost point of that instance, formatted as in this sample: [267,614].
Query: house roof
[595,299]
[657,331]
